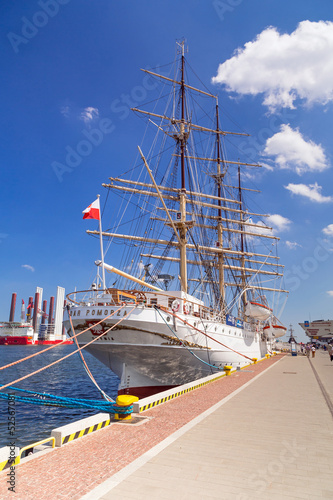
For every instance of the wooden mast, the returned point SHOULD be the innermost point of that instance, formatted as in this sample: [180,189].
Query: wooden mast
[228,212]
[244,295]
[219,224]
[182,139]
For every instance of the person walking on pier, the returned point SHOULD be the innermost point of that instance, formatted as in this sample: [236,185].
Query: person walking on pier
[330,351]
[307,348]
[313,349]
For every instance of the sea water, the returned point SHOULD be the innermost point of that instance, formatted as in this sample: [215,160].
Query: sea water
[67,378]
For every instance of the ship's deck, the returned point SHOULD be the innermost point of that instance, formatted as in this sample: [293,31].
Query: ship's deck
[264,432]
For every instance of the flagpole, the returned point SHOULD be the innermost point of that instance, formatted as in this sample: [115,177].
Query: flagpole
[101,242]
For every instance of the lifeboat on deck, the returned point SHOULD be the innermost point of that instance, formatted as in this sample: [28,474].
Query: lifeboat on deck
[257,310]
[274,331]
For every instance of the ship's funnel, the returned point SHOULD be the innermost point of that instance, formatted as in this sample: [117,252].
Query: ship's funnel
[12,308]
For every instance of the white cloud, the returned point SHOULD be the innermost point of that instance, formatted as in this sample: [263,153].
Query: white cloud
[89,114]
[328,230]
[267,166]
[29,268]
[284,67]
[312,192]
[259,228]
[65,111]
[330,292]
[278,222]
[292,151]
[292,245]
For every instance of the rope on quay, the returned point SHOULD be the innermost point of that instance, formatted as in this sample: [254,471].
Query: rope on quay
[43,399]
[85,366]
[204,333]
[57,345]
[72,353]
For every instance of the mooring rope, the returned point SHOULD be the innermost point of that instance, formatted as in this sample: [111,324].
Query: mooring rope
[43,399]
[56,345]
[206,334]
[191,352]
[70,354]
[186,347]
[85,366]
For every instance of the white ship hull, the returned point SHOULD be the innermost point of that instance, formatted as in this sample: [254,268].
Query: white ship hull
[146,354]
[12,333]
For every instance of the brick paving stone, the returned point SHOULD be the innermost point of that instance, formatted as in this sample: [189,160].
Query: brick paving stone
[81,465]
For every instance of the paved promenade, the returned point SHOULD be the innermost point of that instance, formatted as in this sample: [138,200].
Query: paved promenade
[272,440]
[265,432]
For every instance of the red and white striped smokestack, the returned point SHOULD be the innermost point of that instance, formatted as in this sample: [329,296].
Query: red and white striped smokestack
[50,321]
[34,321]
[44,312]
[12,307]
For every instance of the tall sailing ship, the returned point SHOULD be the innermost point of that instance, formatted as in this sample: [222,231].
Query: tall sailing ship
[199,282]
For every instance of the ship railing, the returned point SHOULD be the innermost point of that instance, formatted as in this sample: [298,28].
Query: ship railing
[45,331]
[107,297]
[168,302]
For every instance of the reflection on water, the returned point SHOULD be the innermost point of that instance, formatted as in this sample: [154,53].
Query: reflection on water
[67,378]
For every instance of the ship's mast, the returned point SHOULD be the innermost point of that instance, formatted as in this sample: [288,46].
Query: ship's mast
[219,225]
[244,296]
[182,140]
[227,210]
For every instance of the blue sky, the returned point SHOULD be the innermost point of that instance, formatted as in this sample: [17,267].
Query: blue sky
[67,66]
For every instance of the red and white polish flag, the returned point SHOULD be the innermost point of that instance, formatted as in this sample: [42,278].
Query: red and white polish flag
[93,211]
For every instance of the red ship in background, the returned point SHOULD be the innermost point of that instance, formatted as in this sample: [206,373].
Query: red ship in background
[36,327]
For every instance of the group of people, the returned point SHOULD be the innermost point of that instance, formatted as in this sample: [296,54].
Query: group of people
[310,348]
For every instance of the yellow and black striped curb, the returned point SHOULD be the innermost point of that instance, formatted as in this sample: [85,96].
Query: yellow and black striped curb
[177,394]
[8,463]
[188,389]
[84,432]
